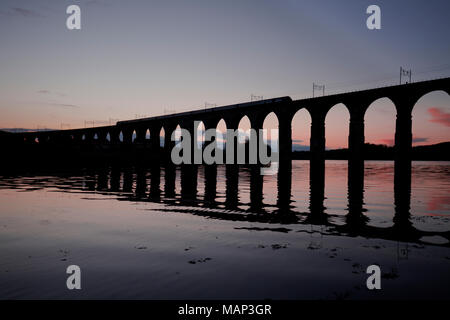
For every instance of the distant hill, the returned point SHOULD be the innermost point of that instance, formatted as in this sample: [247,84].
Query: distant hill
[435,152]
[440,151]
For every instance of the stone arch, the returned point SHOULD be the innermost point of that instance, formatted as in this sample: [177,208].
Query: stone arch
[431,118]
[336,129]
[426,92]
[200,132]
[332,106]
[244,126]
[177,134]
[221,131]
[162,136]
[271,125]
[379,122]
[301,130]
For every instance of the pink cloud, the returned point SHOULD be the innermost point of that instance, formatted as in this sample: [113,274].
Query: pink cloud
[439,116]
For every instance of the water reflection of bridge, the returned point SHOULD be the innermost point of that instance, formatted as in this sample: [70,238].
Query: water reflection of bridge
[156,184]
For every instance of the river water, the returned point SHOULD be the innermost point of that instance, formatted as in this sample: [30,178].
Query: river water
[225,233]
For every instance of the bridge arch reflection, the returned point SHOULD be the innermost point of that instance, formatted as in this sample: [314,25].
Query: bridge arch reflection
[241,198]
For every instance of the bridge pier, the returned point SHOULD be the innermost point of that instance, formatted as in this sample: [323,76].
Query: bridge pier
[356,135]
[101,135]
[317,140]
[402,167]
[256,122]
[140,135]
[210,124]
[114,136]
[232,124]
[285,137]
[403,133]
[127,135]
[155,139]
[402,196]
[168,143]
[191,127]
[88,137]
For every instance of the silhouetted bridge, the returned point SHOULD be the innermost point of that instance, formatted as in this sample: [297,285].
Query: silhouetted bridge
[135,132]
[21,149]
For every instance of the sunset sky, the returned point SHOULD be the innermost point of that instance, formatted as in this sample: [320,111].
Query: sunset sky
[144,58]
